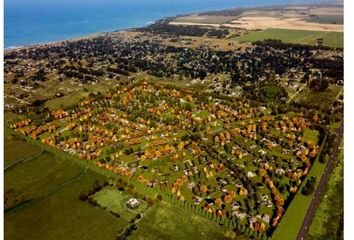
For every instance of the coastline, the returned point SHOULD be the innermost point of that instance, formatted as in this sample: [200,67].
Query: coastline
[148,23]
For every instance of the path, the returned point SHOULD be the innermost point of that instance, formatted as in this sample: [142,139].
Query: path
[295,94]
[321,187]
[23,160]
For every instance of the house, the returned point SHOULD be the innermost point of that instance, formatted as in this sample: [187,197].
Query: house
[132,203]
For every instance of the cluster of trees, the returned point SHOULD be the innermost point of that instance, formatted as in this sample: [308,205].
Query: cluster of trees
[194,31]
[96,187]
[309,187]
[327,148]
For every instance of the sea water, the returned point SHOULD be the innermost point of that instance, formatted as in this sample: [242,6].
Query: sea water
[41,21]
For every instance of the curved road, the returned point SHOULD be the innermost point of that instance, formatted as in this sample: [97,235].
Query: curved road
[321,187]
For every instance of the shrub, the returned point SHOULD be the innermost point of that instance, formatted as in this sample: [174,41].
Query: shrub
[83,196]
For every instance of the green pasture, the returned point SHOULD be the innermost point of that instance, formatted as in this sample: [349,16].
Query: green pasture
[330,39]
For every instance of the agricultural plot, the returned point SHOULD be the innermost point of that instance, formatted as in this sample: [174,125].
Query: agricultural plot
[16,150]
[234,162]
[330,39]
[203,19]
[52,185]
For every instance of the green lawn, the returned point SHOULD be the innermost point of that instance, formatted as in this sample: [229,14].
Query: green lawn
[330,39]
[290,224]
[166,221]
[115,201]
[312,135]
[60,214]
[323,217]
[75,96]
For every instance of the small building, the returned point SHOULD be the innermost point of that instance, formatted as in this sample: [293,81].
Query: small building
[132,203]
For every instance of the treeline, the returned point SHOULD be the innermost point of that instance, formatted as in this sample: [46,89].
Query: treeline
[278,44]
[193,31]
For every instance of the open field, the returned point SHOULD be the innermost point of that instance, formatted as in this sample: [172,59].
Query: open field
[253,23]
[30,177]
[291,222]
[330,39]
[166,221]
[16,149]
[77,220]
[115,201]
[318,100]
[328,19]
[326,219]
[204,19]
[75,96]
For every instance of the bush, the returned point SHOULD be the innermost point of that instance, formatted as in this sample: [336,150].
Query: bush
[83,196]
[309,188]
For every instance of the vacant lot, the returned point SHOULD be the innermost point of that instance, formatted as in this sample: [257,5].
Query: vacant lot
[165,221]
[330,39]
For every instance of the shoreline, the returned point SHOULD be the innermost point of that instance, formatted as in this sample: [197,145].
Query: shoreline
[148,23]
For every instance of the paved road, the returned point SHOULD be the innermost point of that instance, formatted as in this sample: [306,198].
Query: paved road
[320,188]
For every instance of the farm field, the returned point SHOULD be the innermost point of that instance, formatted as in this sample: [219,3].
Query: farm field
[16,149]
[225,160]
[203,19]
[330,39]
[56,205]
[165,221]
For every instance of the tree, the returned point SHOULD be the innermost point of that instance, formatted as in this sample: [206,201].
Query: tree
[83,196]
[150,202]
[309,188]
[319,84]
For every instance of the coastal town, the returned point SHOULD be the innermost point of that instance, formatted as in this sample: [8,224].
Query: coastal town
[213,122]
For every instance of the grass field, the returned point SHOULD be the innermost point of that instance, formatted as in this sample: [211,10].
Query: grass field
[329,19]
[312,135]
[165,221]
[324,214]
[290,224]
[59,215]
[330,39]
[75,96]
[16,149]
[318,100]
[115,201]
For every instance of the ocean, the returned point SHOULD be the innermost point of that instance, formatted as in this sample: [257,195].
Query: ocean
[41,21]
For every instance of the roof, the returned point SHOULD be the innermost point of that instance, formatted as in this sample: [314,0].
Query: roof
[133,202]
